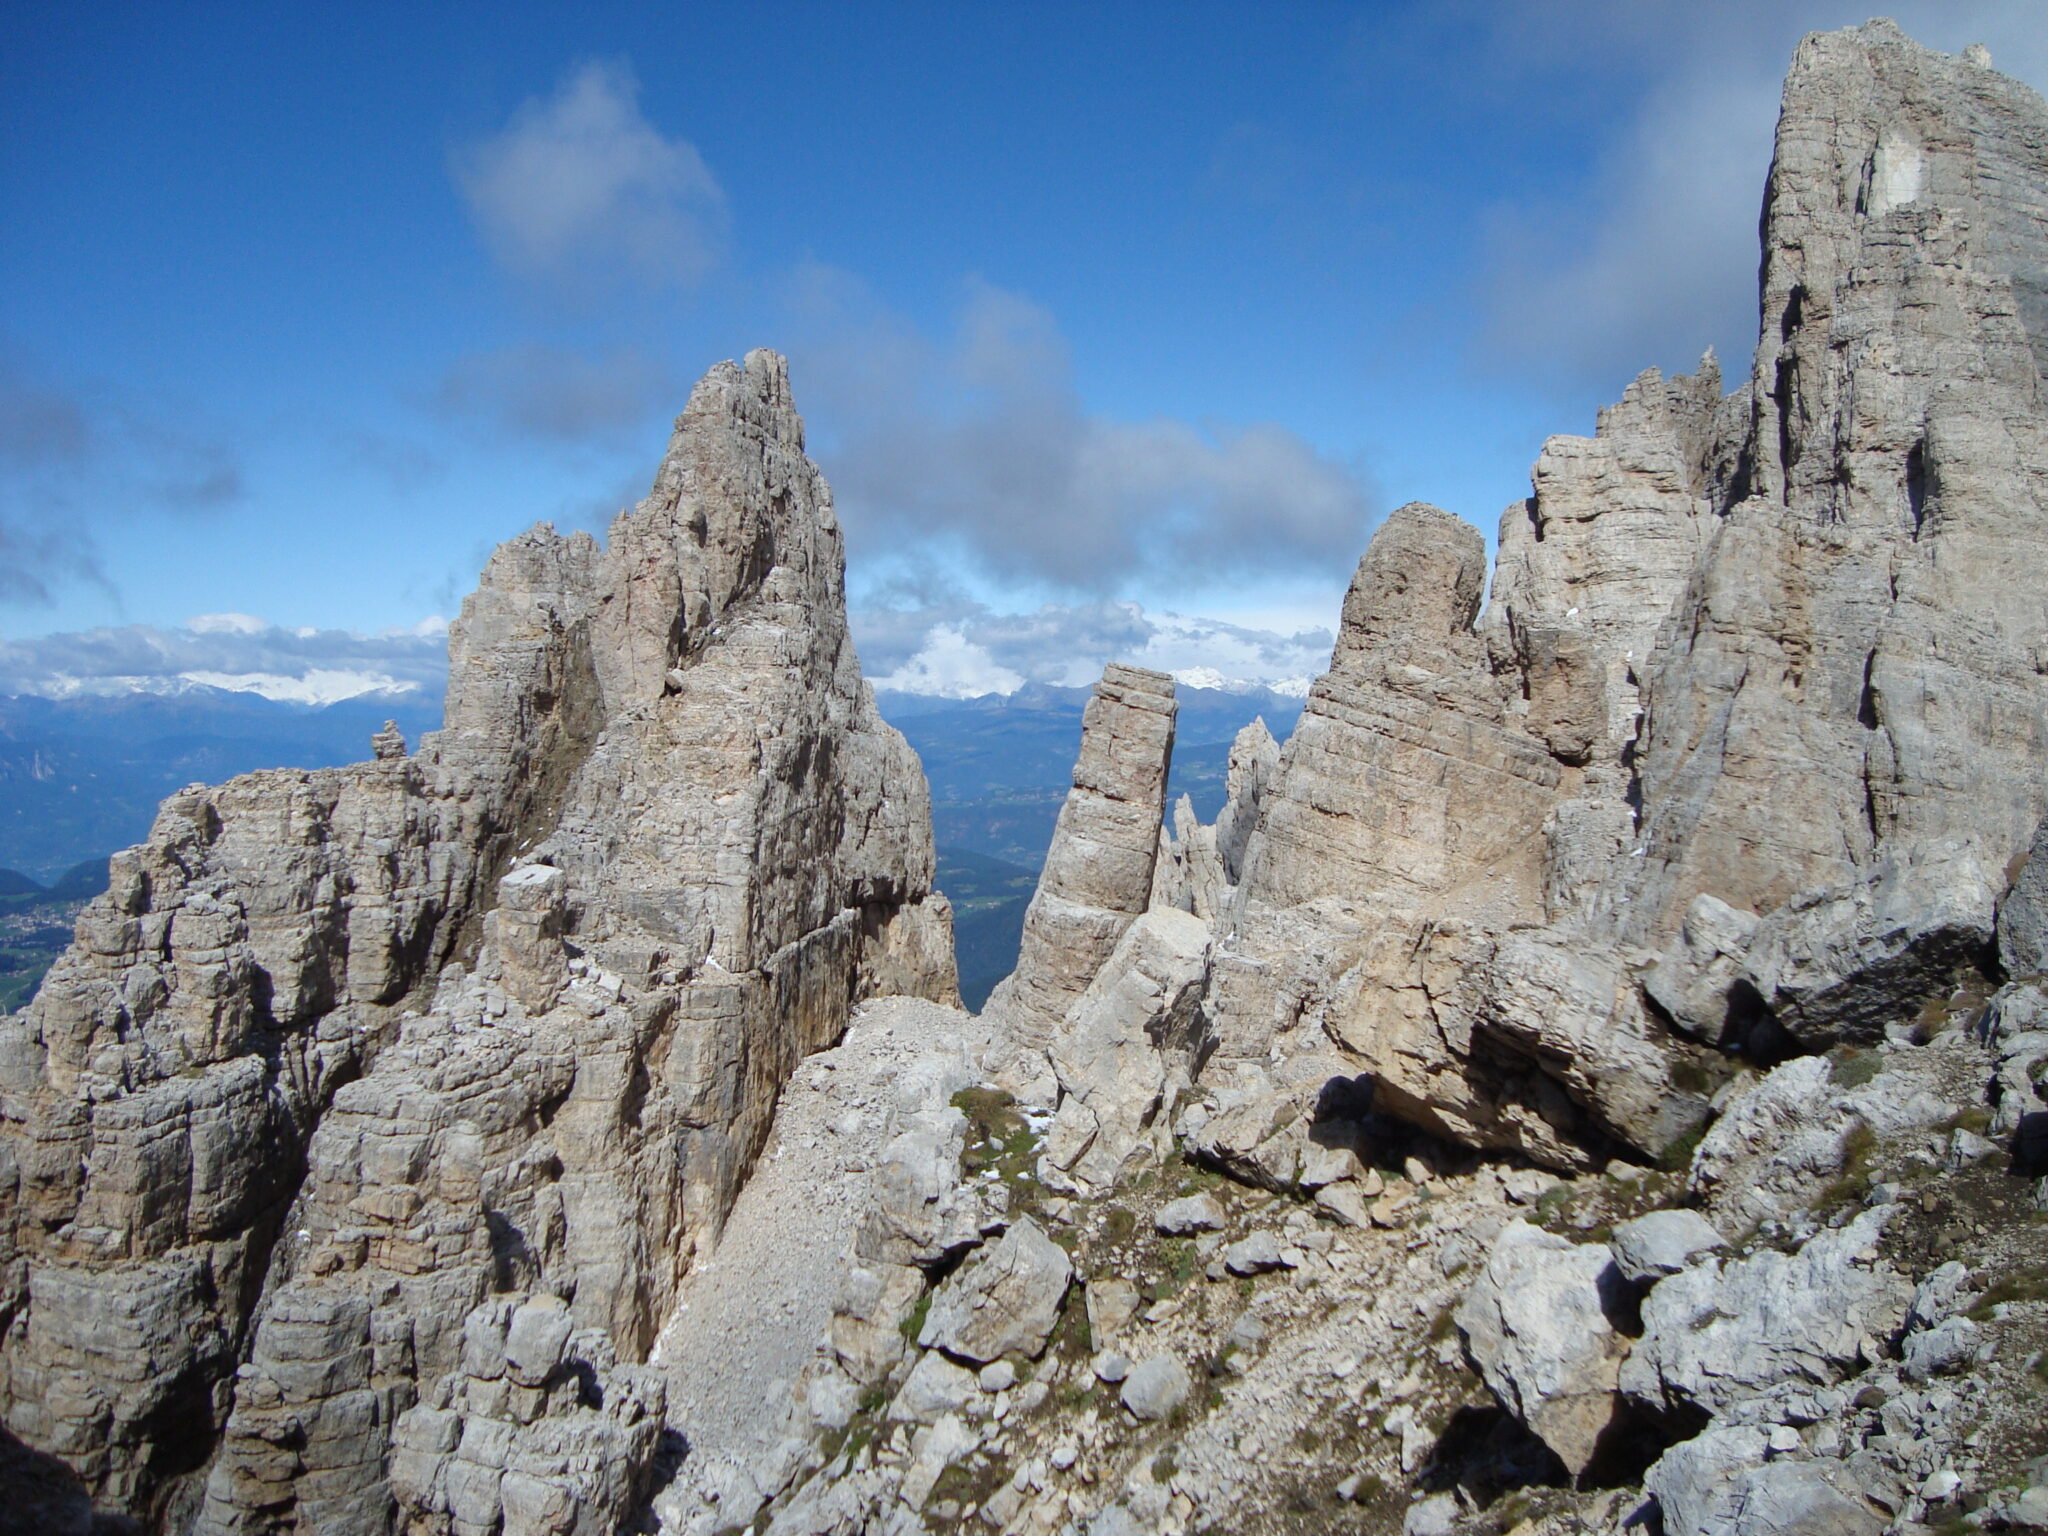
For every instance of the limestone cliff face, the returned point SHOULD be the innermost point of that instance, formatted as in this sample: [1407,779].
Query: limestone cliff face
[1851,699]
[414,1085]
[1745,746]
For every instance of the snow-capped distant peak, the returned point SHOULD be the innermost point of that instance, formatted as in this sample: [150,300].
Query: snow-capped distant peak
[318,686]
[227,624]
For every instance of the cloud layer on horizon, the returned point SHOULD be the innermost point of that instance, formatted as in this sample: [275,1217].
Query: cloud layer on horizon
[955,647]
[231,651]
[960,648]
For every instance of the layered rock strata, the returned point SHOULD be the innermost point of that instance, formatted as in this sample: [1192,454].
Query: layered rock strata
[1745,746]
[1098,870]
[346,1063]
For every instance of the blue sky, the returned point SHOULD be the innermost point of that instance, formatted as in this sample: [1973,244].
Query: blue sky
[1116,328]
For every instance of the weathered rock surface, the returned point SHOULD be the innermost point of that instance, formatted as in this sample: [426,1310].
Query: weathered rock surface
[1537,1325]
[1155,1387]
[1736,764]
[1097,877]
[1872,567]
[1503,852]
[343,1056]
[1003,1302]
[1716,1331]
[1720,1484]
[1661,1243]
[1128,1044]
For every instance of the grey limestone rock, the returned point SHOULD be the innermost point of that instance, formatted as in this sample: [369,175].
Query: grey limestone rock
[1188,1215]
[1536,1323]
[1720,1483]
[1783,586]
[518,1004]
[1662,1243]
[1254,1255]
[1717,1331]
[1124,1048]
[1097,877]
[1003,1301]
[934,1387]
[538,1430]
[1155,1387]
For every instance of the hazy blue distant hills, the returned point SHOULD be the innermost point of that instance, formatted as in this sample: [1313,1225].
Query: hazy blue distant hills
[35,924]
[999,768]
[82,777]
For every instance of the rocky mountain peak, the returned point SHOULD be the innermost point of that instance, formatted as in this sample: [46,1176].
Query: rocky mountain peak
[1592,1077]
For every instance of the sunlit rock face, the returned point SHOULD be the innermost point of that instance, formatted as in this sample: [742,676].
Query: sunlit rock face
[345,1055]
[1756,705]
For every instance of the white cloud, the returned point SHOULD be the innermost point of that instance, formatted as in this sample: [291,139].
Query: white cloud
[1665,268]
[580,188]
[538,391]
[1655,258]
[952,667]
[978,447]
[234,651]
[76,460]
[229,624]
[959,649]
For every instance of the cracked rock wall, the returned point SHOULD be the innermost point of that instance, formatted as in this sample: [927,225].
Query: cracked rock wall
[352,1070]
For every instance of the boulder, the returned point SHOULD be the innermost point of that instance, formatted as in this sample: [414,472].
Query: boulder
[1257,1254]
[1716,1332]
[1003,1301]
[935,1387]
[1108,1051]
[1661,1243]
[1155,1387]
[1536,1323]
[1189,1215]
[1720,1483]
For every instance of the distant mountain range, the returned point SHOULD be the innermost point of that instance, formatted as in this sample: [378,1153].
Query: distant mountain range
[81,777]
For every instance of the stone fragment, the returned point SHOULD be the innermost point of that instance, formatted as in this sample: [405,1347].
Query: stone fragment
[1661,1243]
[1347,1202]
[534,1341]
[1003,1301]
[1257,1254]
[934,1387]
[1323,1165]
[1155,1387]
[1188,1215]
[1112,1303]
[1536,1323]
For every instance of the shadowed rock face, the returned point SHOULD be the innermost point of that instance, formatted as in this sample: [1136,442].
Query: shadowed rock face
[344,1055]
